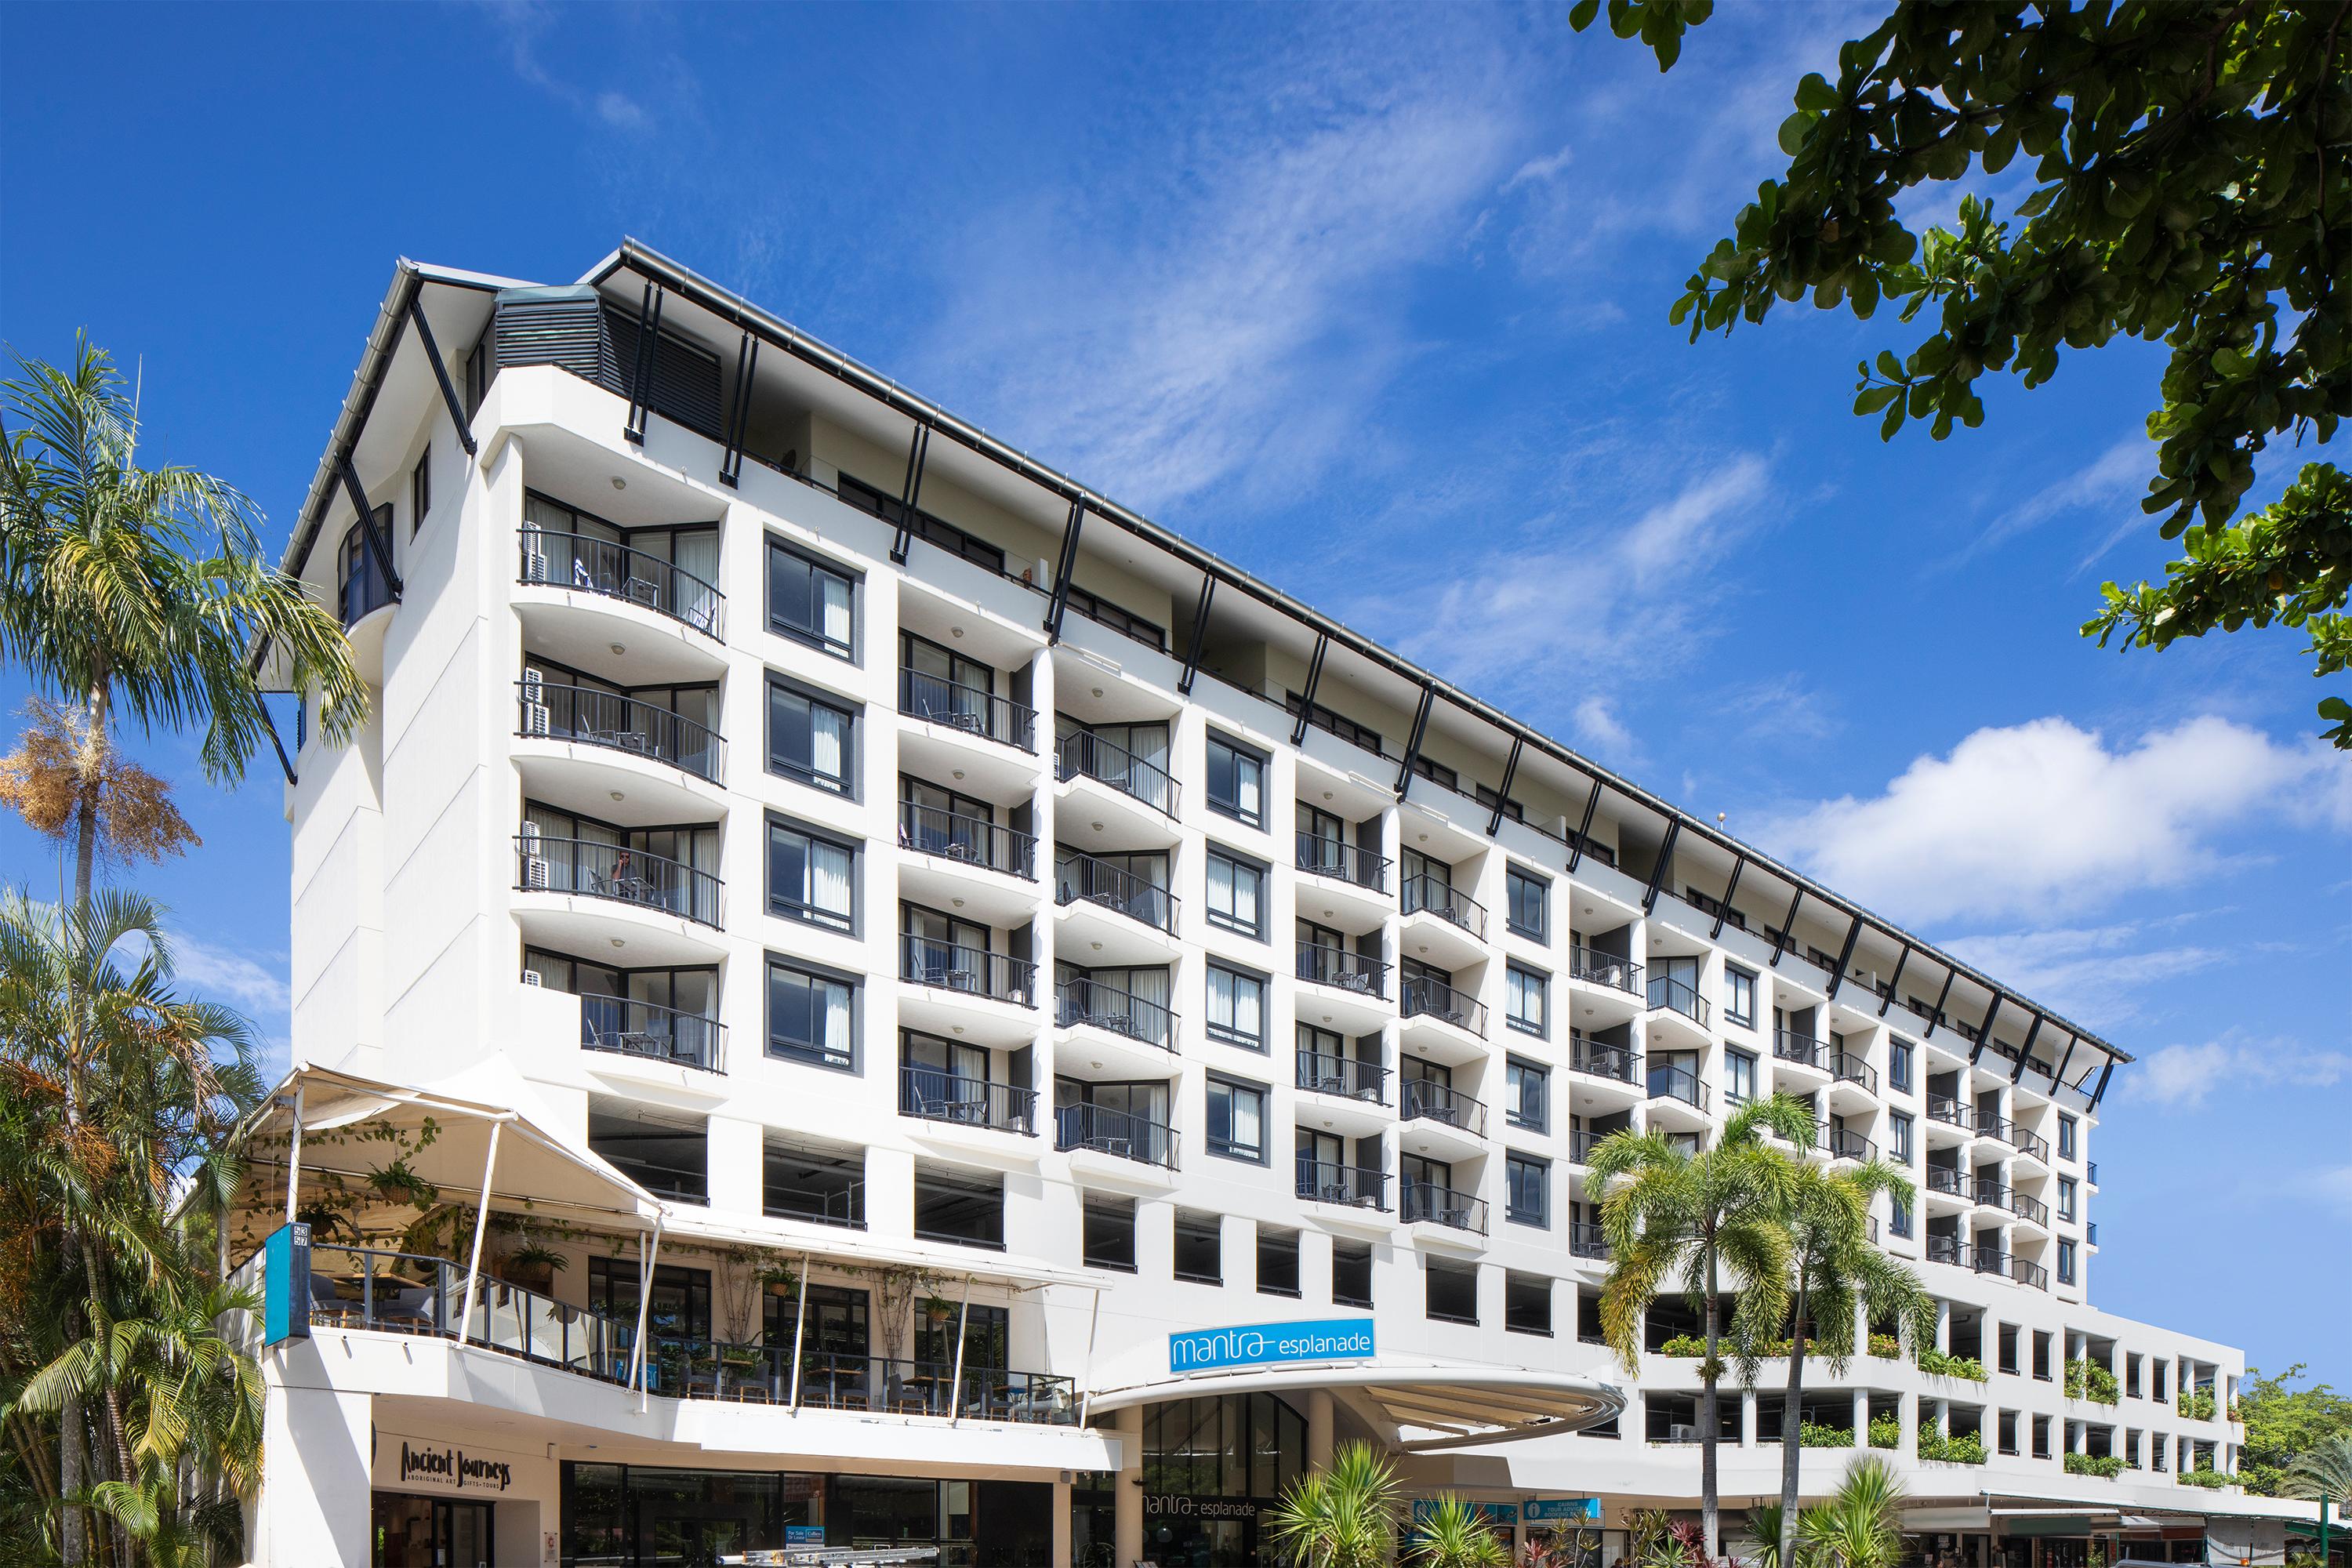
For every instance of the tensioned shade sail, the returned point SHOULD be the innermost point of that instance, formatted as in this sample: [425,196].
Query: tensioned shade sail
[1417,1408]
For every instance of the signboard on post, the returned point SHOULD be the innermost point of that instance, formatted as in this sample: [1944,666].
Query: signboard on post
[1271,1344]
[286,1284]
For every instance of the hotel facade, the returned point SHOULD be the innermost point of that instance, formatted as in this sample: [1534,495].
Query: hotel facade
[975,1022]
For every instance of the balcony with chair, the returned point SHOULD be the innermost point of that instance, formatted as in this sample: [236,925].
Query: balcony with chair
[644,1032]
[1799,1050]
[1342,1077]
[967,841]
[1320,965]
[1137,798]
[1100,1129]
[1946,1111]
[1082,879]
[1844,1146]
[964,710]
[1585,1240]
[617,722]
[1448,923]
[633,882]
[1348,1186]
[1136,1033]
[967,971]
[1425,1203]
[615,572]
[1337,861]
[1441,1118]
[1677,1004]
[1613,1065]
[936,1094]
[1674,1086]
[1608,983]
[1850,1070]
[1426,1001]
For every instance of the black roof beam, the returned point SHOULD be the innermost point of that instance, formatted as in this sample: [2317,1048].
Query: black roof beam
[1846,956]
[1584,829]
[911,495]
[1412,741]
[2058,1077]
[1788,931]
[279,745]
[641,375]
[1723,911]
[1665,868]
[378,546]
[1307,697]
[1941,997]
[1063,569]
[1503,795]
[1199,631]
[1896,978]
[440,370]
[2025,1053]
[1984,1035]
[731,459]
[2104,1073]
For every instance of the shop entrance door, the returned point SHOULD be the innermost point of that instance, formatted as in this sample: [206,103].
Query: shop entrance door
[677,1540]
[429,1532]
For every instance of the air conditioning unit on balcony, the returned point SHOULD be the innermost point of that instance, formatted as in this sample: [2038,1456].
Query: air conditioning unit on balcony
[1679,1433]
[535,877]
[530,977]
[535,720]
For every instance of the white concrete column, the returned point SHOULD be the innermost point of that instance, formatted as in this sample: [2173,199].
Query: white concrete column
[315,1467]
[736,1150]
[1126,1504]
[1061,1558]
[1944,1326]
[1748,1438]
[1907,1408]
[1862,1418]
[1318,1430]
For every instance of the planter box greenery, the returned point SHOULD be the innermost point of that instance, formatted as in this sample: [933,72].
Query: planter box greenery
[2198,1406]
[1961,1366]
[2207,1476]
[2108,1465]
[1887,1431]
[2089,1380]
[1966,1449]
[1814,1435]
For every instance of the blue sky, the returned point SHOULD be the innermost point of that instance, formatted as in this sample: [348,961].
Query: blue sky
[1372,301]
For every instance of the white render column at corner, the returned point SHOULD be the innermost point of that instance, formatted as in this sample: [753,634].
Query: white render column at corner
[316,1469]
[1907,1407]
[1318,1430]
[1747,1418]
[1126,1495]
[1862,1418]
[1944,1326]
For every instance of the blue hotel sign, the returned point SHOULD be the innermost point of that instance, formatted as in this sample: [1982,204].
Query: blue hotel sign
[1583,1510]
[1271,1344]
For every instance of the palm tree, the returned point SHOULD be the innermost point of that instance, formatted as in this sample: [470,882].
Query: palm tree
[1455,1533]
[2323,1471]
[1341,1517]
[1861,1526]
[1670,1216]
[1837,1273]
[144,590]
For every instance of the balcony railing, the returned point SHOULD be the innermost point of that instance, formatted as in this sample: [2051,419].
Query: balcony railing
[1427,998]
[1672,995]
[364,591]
[2027,1208]
[1987,1260]
[1947,1111]
[1604,969]
[1348,971]
[1107,1007]
[1424,1099]
[634,1028]
[1586,1240]
[1802,1049]
[616,722]
[1847,1066]
[998,976]
[1082,878]
[1426,1201]
[1952,1250]
[1320,1072]
[1084,755]
[2026,1143]
[1321,856]
[1425,895]
[390,1292]
[1120,1132]
[2091,1172]
[615,571]
[951,836]
[1945,1179]
[1993,1127]
[970,708]
[2026,1273]
[1329,1182]
[1677,1083]
[1618,1062]
[1581,1142]
[935,1094]
[597,869]
[1991,1192]
[1844,1146]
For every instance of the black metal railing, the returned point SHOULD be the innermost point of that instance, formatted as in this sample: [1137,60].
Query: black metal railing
[1426,894]
[951,836]
[1604,969]
[1952,1250]
[2091,1172]
[2026,1143]
[366,591]
[1330,1182]
[935,1094]
[615,571]
[1586,1240]
[402,1293]
[1085,754]
[935,700]
[1427,998]
[1946,1179]
[2029,1208]
[616,722]
[1426,1201]
[1792,1046]
[1619,1062]
[1321,856]
[1987,1260]
[1320,1072]
[844,1205]
[1992,1127]
[1424,1099]
[1844,1146]
[1991,1192]
[1582,1142]
[1676,1083]
[1348,971]
[632,1028]
[1947,1111]
[1847,1066]
[1672,995]
[599,870]
[1107,1007]
[1082,878]
[890,1386]
[998,976]
[2026,1273]
[1120,1132]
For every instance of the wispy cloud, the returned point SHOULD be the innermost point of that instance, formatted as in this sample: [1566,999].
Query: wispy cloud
[224,975]
[2100,974]
[2186,1075]
[2108,485]
[524,26]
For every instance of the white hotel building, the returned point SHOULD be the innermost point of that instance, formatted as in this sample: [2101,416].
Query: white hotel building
[950,935]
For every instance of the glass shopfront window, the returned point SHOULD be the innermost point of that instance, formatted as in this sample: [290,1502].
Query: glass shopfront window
[428,1532]
[640,1516]
[1213,1468]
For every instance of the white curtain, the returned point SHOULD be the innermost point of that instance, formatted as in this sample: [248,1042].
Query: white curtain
[697,554]
[833,1028]
[1247,1133]
[832,594]
[1149,985]
[829,742]
[828,872]
[1249,788]
[1237,1002]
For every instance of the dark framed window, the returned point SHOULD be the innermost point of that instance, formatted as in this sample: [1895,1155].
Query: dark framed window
[1235,1122]
[1898,1137]
[1236,1007]
[1527,1190]
[812,876]
[1451,1291]
[2065,1197]
[1437,773]
[1526,1304]
[2065,1136]
[1278,1261]
[1898,1063]
[812,602]
[1526,901]
[420,489]
[1525,994]
[1237,780]
[1110,1237]
[963,1207]
[1200,1248]
[920,523]
[812,739]
[1323,718]
[1899,1222]
[1236,900]
[812,1015]
[1351,1273]
[1739,996]
[1102,612]
[2065,1263]
[1739,1076]
[1526,1095]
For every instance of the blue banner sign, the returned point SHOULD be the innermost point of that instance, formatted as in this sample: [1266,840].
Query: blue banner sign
[805,1535]
[1269,1344]
[1582,1509]
[286,1284]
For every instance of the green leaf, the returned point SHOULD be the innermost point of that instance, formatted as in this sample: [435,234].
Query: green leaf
[1792,132]
[1815,94]
[1877,398]
[1580,15]
[1893,422]
[1889,366]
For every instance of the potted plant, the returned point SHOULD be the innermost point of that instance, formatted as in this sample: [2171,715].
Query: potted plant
[533,1266]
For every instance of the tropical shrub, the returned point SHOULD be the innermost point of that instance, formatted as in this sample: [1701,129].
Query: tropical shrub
[1940,1364]
[1968,1448]
[2108,1465]
[2089,1380]
[1887,1431]
[1821,1434]
[2207,1476]
[1886,1347]
[2197,1403]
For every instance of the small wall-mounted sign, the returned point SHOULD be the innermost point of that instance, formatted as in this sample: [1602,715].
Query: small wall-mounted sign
[286,1284]
[1556,1510]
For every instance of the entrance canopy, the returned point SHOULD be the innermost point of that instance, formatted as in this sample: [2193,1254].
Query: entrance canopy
[1417,1407]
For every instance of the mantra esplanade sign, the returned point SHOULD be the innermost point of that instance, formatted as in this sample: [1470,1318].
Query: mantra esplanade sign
[1270,1344]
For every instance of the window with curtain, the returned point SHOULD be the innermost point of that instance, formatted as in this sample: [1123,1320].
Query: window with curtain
[1236,780]
[811,877]
[1236,1007]
[1739,1076]
[1526,1095]
[1524,994]
[1236,1120]
[695,552]
[1525,897]
[811,1015]
[1236,895]
[810,602]
[810,739]
[1739,996]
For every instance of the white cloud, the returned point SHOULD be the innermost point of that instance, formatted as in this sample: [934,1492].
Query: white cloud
[2334,1186]
[1535,171]
[2184,1075]
[2044,818]
[221,975]
[2109,484]
[2095,972]
[524,25]
[1599,728]
[619,109]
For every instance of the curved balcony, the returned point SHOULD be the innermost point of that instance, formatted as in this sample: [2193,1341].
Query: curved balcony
[1678,1004]
[1945,1181]
[974,970]
[594,868]
[626,1027]
[1118,1134]
[1426,1202]
[1952,1250]
[1799,1050]
[1440,1002]
[1319,1072]
[1425,895]
[1849,1067]
[1581,1142]
[967,840]
[1435,1106]
[2034,1210]
[592,717]
[1349,970]
[1343,862]
[1082,878]
[1617,1064]
[1083,754]
[1090,1004]
[969,709]
[1990,1193]
[1586,1240]
[1351,1186]
[2033,1145]
[935,1094]
[1679,1084]
[1598,968]
[612,571]
[1844,1146]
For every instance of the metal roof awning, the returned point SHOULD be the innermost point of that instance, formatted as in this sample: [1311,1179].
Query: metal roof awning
[1417,1408]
